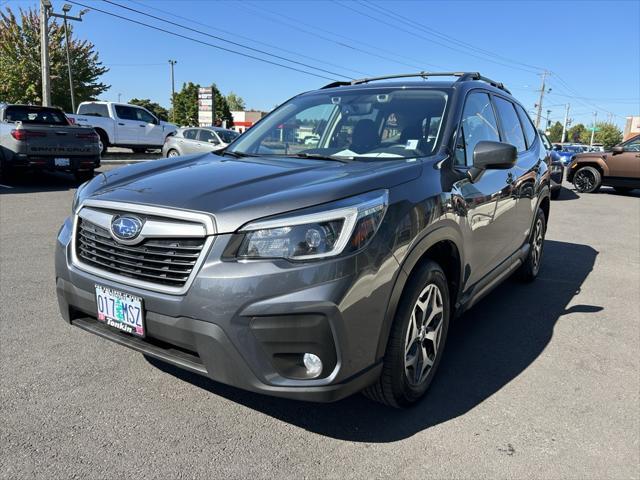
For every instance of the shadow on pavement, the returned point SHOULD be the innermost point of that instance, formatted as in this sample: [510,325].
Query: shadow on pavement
[487,348]
[566,194]
[31,182]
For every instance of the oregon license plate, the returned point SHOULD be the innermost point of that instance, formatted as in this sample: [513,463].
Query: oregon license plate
[61,162]
[120,310]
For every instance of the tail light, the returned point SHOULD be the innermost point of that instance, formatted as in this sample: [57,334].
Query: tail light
[25,134]
[87,135]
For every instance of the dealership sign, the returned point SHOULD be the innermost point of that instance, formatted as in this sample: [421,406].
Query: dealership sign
[206,107]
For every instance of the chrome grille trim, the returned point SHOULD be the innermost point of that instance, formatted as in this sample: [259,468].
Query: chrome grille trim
[165,260]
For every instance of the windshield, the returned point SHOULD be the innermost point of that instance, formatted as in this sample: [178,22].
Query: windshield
[227,136]
[35,115]
[389,123]
[573,149]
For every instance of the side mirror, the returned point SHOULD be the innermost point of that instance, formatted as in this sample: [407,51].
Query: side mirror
[495,155]
[617,149]
[212,140]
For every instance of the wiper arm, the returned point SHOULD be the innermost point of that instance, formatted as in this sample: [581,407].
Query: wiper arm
[318,156]
[236,154]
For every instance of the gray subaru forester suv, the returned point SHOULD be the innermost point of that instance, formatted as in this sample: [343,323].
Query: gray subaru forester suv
[326,250]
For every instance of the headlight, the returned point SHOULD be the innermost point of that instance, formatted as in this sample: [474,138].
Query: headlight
[315,235]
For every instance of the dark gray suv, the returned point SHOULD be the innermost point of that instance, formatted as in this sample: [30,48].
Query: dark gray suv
[326,250]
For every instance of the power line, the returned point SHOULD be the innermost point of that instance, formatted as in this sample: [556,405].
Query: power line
[222,39]
[202,42]
[323,36]
[279,47]
[379,20]
[443,36]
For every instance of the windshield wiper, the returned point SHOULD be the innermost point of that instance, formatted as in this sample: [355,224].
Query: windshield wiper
[317,156]
[236,154]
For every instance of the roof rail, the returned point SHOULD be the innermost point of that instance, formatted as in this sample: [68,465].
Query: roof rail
[462,76]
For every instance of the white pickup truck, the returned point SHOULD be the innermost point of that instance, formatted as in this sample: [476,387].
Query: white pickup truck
[123,125]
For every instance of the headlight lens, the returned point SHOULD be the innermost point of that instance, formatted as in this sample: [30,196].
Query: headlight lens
[315,235]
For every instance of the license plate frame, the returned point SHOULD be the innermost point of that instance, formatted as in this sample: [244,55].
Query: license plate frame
[120,310]
[62,162]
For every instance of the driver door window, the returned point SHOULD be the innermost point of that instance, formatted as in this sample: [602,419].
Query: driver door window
[478,124]
[208,137]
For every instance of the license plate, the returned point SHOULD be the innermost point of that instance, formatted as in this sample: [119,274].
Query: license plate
[120,310]
[61,162]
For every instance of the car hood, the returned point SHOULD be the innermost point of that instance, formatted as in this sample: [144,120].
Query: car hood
[237,191]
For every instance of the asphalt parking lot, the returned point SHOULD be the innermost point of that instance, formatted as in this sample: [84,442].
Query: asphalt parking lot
[538,380]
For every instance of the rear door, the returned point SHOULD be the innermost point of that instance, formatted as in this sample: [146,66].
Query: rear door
[488,200]
[127,125]
[189,143]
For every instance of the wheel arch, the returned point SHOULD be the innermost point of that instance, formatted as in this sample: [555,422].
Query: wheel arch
[442,245]
[600,165]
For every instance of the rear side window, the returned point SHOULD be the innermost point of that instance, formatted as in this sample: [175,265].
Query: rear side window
[190,134]
[478,124]
[126,113]
[529,129]
[35,115]
[510,122]
[93,110]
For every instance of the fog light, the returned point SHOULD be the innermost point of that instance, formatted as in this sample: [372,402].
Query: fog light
[313,364]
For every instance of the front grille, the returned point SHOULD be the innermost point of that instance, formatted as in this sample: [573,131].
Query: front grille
[164,261]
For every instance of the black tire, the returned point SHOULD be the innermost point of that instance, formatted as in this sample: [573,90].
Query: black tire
[622,190]
[555,194]
[587,180]
[173,153]
[529,270]
[395,388]
[104,142]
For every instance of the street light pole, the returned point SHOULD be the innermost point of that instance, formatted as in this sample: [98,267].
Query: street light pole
[564,125]
[65,10]
[173,91]
[45,5]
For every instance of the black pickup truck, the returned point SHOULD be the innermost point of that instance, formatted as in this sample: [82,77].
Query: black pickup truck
[42,138]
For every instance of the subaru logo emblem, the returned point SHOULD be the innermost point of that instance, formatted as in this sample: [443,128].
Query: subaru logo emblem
[126,227]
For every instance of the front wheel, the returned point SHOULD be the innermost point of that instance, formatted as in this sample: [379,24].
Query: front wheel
[172,153]
[416,341]
[587,180]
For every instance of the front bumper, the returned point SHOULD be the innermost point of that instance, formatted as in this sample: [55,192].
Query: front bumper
[246,324]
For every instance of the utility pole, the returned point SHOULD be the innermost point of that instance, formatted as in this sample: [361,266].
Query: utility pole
[65,16]
[548,119]
[593,128]
[564,125]
[173,91]
[45,5]
[119,97]
[542,92]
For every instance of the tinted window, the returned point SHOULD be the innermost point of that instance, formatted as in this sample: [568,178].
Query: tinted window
[511,127]
[227,136]
[144,116]
[208,136]
[126,113]
[529,129]
[93,110]
[35,115]
[190,134]
[478,124]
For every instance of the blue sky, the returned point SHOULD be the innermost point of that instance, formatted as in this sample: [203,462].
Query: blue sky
[592,48]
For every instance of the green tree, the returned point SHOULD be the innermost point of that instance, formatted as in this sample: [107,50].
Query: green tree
[155,108]
[607,134]
[577,133]
[20,75]
[186,106]
[555,132]
[235,102]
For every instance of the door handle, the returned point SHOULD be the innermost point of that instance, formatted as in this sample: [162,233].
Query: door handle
[142,126]
[121,124]
[638,155]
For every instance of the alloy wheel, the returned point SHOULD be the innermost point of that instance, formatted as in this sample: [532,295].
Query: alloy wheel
[584,180]
[538,240]
[423,334]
